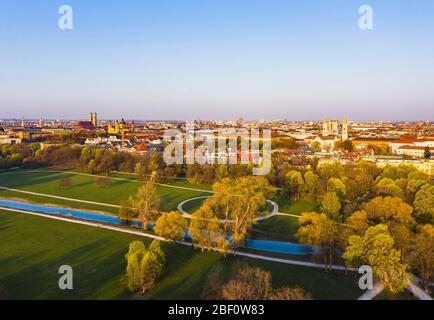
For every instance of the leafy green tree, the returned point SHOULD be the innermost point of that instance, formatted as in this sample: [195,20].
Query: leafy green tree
[91,167]
[318,230]
[388,186]
[331,170]
[413,186]
[239,200]
[171,226]
[422,258]
[314,163]
[126,213]
[206,230]
[384,210]
[294,183]
[336,185]
[312,185]
[147,202]
[144,266]
[332,205]
[356,224]
[376,248]
[424,203]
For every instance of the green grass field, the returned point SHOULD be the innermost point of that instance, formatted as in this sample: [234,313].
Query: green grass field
[33,248]
[278,228]
[84,188]
[294,207]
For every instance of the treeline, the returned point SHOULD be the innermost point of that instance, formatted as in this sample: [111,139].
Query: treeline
[17,155]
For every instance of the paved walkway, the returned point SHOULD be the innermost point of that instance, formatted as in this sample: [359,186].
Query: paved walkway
[371,294]
[60,198]
[417,291]
[274,212]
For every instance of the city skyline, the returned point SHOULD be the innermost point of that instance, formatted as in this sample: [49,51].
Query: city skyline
[190,60]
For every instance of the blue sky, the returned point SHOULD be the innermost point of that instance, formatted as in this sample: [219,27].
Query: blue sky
[217,59]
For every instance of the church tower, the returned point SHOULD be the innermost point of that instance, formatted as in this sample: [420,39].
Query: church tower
[325,127]
[345,129]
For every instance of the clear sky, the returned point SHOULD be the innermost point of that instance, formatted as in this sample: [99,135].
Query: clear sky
[217,59]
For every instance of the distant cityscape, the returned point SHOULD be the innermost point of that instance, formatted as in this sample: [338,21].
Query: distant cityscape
[382,142]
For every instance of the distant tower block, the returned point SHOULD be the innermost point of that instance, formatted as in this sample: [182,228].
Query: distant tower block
[93,118]
[41,123]
[345,135]
[22,122]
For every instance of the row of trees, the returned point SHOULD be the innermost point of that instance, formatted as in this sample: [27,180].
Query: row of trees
[17,155]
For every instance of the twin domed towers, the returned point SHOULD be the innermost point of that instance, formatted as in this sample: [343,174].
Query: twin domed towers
[331,128]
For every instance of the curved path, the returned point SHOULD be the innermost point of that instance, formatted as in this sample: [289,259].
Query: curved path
[187,215]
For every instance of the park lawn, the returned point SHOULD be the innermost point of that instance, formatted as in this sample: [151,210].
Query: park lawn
[277,228]
[33,248]
[295,207]
[84,188]
[193,205]
[179,182]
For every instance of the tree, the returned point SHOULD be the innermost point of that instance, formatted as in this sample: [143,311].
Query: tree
[377,249]
[144,266]
[65,182]
[239,200]
[316,145]
[424,203]
[256,284]
[388,186]
[413,186]
[126,213]
[91,167]
[318,230]
[348,145]
[248,284]
[171,226]
[312,185]
[384,210]
[422,258]
[332,205]
[147,202]
[427,153]
[206,230]
[294,183]
[356,224]
[336,185]
[314,163]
